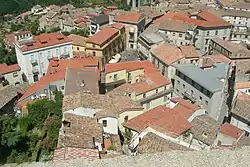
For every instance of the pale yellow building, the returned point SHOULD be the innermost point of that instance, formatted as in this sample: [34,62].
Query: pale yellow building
[106,43]
[78,43]
[140,81]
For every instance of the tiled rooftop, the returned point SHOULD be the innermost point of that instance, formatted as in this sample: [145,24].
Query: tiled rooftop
[241,106]
[45,40]
[205,129]
[101,37]
[108,105]
[131,66]
[230,130]
[162,118]
[129,17]
[78,40]
[80,133]
[5,69]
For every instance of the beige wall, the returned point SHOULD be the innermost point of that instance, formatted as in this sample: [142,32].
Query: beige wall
[225,140]
[14,79]
[131,114]
[135,75]
[76,47]
[121,75]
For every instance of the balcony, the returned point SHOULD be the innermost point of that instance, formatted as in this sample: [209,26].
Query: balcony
[35,70]
[189,96]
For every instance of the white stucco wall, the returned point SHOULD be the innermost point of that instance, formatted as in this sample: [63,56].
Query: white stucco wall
[14,79]
[112,125]
[239,124]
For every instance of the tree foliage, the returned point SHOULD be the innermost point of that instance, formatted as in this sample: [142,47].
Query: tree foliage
[33,137]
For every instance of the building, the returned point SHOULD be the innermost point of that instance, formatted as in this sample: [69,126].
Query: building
[109,110]
[165,56]
[229,135]
[234,5]
[206,88]
[78,43]
[150,90]
[162,121]
[148,41]
[240,116]
[135,24]
[58,72]
[207,26]
[10,75]
[79,137]
[106,43]
[178,32]
[125,72]
[34,52]
[96,22]
[240,20]
[207,61]
[38,10]
[9,95]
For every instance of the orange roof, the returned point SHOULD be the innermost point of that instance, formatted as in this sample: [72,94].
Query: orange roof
[75,63]
[130,17]
[4,68]
[209,60]
[44,81]
[10,39]
[118,26]
[102,36]
[189,52]
[168,53]
[131,66]
[184,111]
[162,118]
[185,103]
[231,130]
[45,40]
[149,82]
[78,40]
[242,85]
[207,19]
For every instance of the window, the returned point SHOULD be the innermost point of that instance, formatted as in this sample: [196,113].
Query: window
[206,41]
[144,95]
[180,35]
[78,48]
[216,32]
[46,91]
[62,87]
[173,33]
[181,43]
[49,54]
[126,118]
[131,46]
[166,98]
[93,45]
[177,90]
[206,102]
[192,92]
[235,35]
[115,76]
[57,51]
[178,82]
[207,33]
[104,123]
[147,105]
[156,90]
[200,98]
[15,74]
[94,53]
[191,61]
[183,86]
[179,62]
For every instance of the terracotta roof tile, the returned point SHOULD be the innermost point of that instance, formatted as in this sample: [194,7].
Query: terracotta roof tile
[129,17]
[241,106]
[118,26]
[78,40]
[167,53]
[231,130]
[10,39]
[4,69]
[103,36]
[185,103]
[207,19]
[44,81]
[160,117]
[242,85]
[209,60]
[131,66]
[189,52]
[45,40]
[75,63]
